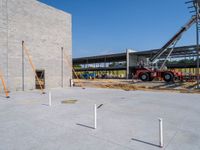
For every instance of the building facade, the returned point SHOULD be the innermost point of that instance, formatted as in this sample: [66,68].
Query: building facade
[112,65]
[44,30]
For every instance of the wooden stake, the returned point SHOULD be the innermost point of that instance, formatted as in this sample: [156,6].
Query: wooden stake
[33,68]
[4,85]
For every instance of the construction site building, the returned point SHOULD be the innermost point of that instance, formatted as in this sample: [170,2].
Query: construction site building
[46,31]
[126,62]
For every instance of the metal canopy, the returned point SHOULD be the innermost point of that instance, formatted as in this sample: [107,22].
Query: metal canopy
[101,58]
[184,51]
[196,1]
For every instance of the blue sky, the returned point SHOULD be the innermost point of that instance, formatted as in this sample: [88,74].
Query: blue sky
[111,26]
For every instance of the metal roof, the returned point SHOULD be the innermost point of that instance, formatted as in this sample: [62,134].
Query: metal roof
[184,51]
[100,58]
[101,69]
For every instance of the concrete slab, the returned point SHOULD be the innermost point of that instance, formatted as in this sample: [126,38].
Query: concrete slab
[127,120]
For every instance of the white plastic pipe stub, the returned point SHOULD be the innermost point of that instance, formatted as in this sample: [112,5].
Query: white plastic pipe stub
[95,116]
[49,98]
[161,143]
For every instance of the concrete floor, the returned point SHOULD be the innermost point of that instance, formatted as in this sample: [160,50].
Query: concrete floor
[127,120]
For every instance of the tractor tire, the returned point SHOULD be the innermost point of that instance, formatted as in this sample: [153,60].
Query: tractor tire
[144,76]
[168,77]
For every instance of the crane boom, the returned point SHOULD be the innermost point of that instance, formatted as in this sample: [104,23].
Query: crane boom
[175,38]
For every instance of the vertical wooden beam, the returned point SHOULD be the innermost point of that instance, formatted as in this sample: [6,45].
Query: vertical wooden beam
[4,85]
[33,68]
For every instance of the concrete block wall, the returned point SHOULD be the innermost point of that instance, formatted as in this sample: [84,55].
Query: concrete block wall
[3,41]
[44,30]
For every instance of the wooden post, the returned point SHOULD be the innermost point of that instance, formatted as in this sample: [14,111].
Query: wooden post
[4,85]
[33,68]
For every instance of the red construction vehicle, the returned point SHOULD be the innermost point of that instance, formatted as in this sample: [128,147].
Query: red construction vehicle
[149,73]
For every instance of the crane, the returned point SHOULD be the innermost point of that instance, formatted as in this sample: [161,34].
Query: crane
[149,73]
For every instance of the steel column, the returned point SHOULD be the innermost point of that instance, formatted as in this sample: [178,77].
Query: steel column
[62,71]
[22,65]
[197,41]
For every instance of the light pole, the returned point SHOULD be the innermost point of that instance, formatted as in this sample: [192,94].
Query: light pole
[196,5]
[197,39]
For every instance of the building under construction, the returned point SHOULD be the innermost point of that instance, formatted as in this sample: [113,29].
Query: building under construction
[34,41]
[153,64]
[122,65]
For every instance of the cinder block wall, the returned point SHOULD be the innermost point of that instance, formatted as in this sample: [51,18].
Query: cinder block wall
[44,30]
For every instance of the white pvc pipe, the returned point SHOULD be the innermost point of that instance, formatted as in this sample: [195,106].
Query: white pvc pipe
[71,82]
[95,116]
[161,144]
[49,98]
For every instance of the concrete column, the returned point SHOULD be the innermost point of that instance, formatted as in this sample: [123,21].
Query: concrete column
[127,63]
[62,70]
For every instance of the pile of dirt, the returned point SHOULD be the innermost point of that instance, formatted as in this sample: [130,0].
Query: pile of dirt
[129,85]
[118,86]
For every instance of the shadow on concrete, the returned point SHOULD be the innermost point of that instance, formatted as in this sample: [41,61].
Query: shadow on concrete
[3,96]
[100,106]
[45,104]
[84,126]
[145,142]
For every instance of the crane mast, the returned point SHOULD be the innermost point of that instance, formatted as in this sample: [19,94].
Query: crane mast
[149,73]
[173,40]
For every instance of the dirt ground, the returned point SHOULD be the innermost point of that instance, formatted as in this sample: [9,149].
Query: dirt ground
[181,87]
